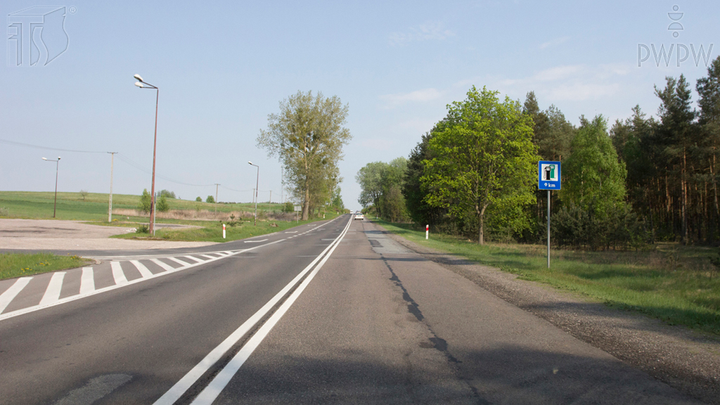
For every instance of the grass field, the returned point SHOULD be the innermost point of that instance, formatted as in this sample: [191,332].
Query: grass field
[212,232]
[94,207]
[674,283]
[20,264]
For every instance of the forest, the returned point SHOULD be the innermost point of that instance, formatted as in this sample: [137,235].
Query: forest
[638,181]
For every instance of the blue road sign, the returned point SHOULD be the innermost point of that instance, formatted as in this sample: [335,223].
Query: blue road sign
[548,175]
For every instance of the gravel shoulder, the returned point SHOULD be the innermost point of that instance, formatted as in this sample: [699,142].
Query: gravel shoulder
[42,234]
[684,359]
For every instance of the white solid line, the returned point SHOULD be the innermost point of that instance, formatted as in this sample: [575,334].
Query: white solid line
[87,280]
[255,241]
[52,293]
[195,259]
[118,274]
[12,292]
[178,261]
[208,256]
[291,232]
[193,375]
[164,265]
[142,269]
[213,390]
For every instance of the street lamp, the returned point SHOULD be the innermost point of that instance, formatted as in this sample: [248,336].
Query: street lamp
[145,85]
[57,169]
[257,182]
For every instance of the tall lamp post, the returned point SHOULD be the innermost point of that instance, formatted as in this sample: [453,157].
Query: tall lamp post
[57,169]
[257,182]
[145,85]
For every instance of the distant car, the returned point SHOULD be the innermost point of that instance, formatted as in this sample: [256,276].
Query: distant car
[360,216]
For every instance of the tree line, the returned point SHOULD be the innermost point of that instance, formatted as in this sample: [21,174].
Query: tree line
[639,181]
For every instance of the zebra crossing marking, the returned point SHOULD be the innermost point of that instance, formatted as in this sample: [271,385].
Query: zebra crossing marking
[52,293]
[12,292]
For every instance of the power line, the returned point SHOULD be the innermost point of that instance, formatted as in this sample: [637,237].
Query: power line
[29,145]
[135,165]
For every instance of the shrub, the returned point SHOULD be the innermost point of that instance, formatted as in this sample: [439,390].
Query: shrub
[288,207]
[163,205]
[145,201]
[199,199]
[210,199]
[142,229]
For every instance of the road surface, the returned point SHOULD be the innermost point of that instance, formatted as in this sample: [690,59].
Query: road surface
[331,312]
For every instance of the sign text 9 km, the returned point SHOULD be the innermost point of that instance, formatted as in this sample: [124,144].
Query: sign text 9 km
[548,175]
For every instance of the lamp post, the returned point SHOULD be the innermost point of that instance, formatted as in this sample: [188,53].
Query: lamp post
[257,183]
[145,85]
[57,170]
[112,160]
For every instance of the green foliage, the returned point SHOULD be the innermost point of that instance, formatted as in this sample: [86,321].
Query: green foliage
[381,185]
[167,194]
[308,135]
[413,190]
[162,204]
[145,201]
[198,199]
[142,229]
[288,207]
[592,174]
[210,199]
[483,157]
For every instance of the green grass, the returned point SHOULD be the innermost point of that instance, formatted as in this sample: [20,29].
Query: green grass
[674,283]
[213,233]
[94,207]
[20,264]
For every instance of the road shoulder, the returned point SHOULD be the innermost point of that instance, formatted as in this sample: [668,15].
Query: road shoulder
[686,360]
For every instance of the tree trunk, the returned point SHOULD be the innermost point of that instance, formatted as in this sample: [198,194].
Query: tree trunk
[683,190]
[481,231]
[306,203]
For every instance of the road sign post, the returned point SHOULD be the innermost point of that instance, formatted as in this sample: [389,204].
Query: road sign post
[548,179]
[297,209]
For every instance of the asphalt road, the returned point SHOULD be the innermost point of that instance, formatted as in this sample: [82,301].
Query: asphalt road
[358,319]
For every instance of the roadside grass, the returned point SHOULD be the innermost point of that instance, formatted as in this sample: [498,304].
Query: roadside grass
[21,264]
[671,282]
[213,233]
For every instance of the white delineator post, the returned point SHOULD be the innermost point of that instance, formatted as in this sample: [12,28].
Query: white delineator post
[427,231]
[223,231]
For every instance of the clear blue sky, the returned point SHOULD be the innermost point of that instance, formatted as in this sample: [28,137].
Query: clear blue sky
[222,68]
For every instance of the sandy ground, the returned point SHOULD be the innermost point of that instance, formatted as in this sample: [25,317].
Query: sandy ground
[40,234]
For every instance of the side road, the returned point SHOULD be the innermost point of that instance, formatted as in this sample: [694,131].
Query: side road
[684,359]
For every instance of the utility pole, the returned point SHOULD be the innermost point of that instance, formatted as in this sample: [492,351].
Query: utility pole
[216,196]
[270,197]
[112,161]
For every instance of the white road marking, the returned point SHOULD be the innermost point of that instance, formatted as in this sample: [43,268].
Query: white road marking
[195,259]
[178,261]
[213,390]
[52,293]
[87,280]
[164,265]
[118,274]
[291,232]
[209,257]
[193,375]
[255,241]
[12,292]
[142,269]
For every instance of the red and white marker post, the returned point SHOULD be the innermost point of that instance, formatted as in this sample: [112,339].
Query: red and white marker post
[427,231]
[223,231]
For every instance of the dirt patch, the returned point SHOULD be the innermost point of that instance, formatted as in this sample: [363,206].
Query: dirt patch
[31,234]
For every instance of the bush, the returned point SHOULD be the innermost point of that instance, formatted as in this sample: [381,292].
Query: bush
[199,199]
[619,228]
[142,229]
[288,207]
[145,201]
[163,205]
[210,199]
